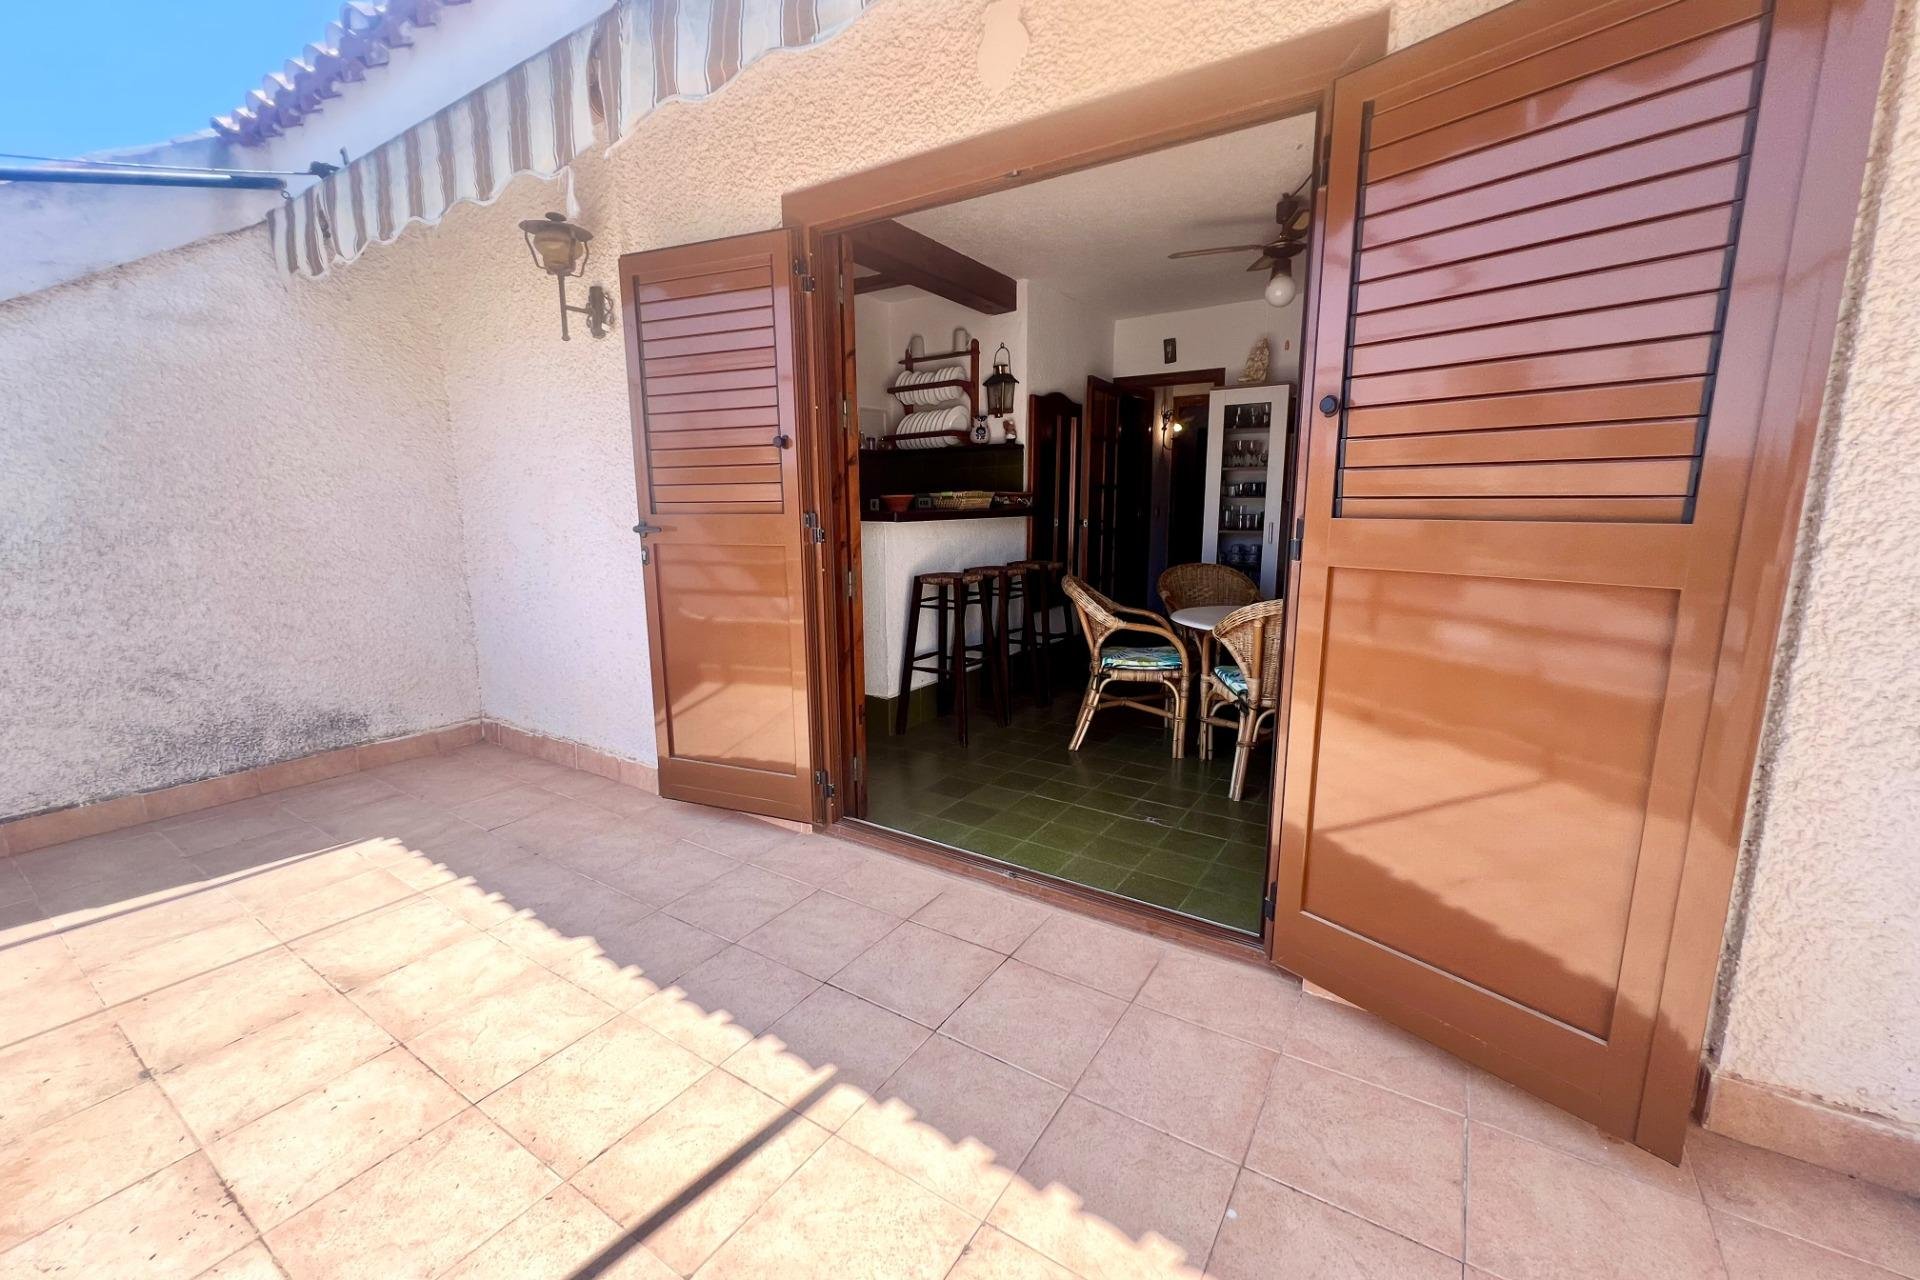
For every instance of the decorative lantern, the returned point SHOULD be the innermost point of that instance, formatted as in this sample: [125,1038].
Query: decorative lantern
[1000,384]
[560,249]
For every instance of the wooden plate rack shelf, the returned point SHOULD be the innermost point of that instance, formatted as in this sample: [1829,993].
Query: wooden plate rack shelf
[970,384]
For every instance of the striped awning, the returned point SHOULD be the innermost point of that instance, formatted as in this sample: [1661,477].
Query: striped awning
[592,87]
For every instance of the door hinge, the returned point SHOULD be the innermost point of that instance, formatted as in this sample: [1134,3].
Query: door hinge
[849,584]
[1299,538]
[823,783]
[1266,905]
[858,771]
[807,282]
[810,528]
[846,416]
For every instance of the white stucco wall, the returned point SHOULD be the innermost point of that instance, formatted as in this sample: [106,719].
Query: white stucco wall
[1212,337]
[1823,994]
[229,532]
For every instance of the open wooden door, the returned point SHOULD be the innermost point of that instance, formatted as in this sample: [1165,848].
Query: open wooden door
[712,367]
[1545,311]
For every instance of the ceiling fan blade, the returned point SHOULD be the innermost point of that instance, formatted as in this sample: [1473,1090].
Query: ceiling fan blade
[1225,248]
[1265,262]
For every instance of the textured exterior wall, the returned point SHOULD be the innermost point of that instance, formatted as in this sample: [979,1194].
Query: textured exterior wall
[1823,988]
[228,524]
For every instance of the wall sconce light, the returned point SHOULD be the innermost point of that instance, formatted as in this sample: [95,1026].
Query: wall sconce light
[1170,427]
[1000,384]
[560,249]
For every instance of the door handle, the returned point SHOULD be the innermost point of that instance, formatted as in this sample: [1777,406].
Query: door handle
[643,529]
[782,441]
[1329,405]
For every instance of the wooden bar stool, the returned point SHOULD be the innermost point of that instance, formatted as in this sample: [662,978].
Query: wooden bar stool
[949,595]
[1034,587]
[997,581]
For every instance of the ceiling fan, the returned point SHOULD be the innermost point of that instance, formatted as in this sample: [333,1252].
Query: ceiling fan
[1276,255]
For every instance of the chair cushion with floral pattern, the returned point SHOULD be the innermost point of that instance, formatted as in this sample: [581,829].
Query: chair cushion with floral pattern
[1140,658]
[1233,680]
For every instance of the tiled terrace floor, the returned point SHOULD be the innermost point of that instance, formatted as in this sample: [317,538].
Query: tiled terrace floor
[477,1015]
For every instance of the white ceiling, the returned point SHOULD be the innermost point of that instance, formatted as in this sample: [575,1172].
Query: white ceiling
[1102,235]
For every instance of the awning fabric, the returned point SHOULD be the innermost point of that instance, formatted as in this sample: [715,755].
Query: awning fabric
[540,115]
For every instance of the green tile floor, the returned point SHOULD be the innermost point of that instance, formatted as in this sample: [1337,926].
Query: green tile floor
[1119,814]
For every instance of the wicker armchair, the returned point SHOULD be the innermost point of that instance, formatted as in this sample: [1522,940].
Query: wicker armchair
[1188,586]
[1250,687]
[1165,665]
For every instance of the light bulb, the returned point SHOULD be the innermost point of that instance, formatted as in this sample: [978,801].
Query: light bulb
[1281,289]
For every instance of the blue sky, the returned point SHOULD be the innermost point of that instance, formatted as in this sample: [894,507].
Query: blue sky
[78,77]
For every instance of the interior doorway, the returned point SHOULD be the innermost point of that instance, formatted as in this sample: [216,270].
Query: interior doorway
[1043,573]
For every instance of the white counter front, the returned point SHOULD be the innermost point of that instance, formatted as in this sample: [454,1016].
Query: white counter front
[892,553]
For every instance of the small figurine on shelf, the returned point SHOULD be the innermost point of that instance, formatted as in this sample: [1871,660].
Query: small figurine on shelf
[1011,437]
[1258,361]
[981,432]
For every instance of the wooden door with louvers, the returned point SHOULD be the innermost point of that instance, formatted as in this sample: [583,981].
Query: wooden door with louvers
[1544,304]
[711,332]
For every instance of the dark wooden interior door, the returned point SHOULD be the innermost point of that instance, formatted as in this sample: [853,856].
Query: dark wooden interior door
[1053,459]
[710,332]
[1543,304]
[1099,481]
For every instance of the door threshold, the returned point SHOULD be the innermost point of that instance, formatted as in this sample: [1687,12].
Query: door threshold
[1054,891]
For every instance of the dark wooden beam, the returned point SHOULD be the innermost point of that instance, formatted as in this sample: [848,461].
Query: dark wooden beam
[874,283]
[904,256]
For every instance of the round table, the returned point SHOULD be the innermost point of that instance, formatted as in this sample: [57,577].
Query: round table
[1201,619]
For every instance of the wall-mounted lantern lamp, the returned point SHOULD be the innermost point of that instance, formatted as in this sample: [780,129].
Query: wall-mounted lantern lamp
[1000,384]
[1170,427]
[560,249]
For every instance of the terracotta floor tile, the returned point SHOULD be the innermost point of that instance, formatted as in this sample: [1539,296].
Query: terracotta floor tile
[558,827]
[659,948]
[458,854]
[220,1091]
[499,808]
[722,1003]
[255,1262]
[1193,1083]
[154,880]
[64,1167]
[352,954]
[687,1178]
[117,936]
[13,885]
[174,1223]
[845,1215]
[1096,955]
[1533,1212]
[1504,1106]
[1106,1196]
[1382,1155]
[659,876]
[956,1121]
[1753,1252]
[318,799]
[557,1239]
[1269,1225]
[508,884]
[164,963]
[187,1021]
[419,1211]
[19,923]
[44,1004]
[994,1255]
[622,986]
[118,857]
[828,1055]
[211,829]
[580,1101]
[737,835]
[1845,1214]
[290,1157]
[61,1072]
[280,877]
[334,903]
[821,934]
[417,994]
[893,885]
[810,859]
[991,918]
[1251,1002]
[919,972]
[490,1040]
[738,902]
[442,781]
[1036,1020]
[1356,1043]
[553,929]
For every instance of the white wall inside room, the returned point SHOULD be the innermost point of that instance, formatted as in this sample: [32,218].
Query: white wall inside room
[229,528]
[1211,337]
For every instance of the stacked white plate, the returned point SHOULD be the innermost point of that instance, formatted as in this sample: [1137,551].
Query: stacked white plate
[939,395]
[952,418]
